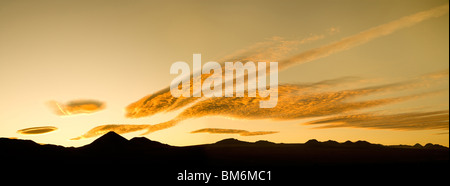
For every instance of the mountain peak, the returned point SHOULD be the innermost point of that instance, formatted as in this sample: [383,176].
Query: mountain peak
[109,140]
[144,142]
[231,141]
[111,136]
[264,142]
[434,146]
[312,142]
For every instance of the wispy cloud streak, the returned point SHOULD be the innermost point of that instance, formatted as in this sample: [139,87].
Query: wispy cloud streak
[403,121]
[233,131]
[299,101]
[364,37]
[277,49]
[125,128]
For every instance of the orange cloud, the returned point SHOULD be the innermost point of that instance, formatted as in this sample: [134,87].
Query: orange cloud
[402,121]
[297,102]
[306,100]
[76,107]
[364,37]
[124,128]
[233,131]
[271,50]
[276,50]
[294,101]
[37,130]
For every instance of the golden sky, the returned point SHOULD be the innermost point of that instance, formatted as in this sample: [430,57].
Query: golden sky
[348,70]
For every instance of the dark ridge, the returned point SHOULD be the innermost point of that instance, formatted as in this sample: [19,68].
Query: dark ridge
[334,144]
[114,140]
[143,142]
[419,146]
[348,142]
[231,141]
[434,146]
[365,144]
[13,147]
[110,137]
[119,158]
[15,143]
[113,148]
[110,140]
[264,142]
[362,143]
[312,142]
[331,143]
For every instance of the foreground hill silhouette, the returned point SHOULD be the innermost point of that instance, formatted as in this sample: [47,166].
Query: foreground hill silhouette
[112,152]
[227,152]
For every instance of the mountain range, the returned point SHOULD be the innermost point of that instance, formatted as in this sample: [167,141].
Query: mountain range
[112,144]
[111,151]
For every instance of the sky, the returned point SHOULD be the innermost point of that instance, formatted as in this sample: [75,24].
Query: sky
[348,70]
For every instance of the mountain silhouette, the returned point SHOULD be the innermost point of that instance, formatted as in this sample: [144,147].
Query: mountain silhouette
[143,144]
[231,141]
[109,140]
[113,153]
[112,142]
[434,146]
[264,142]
